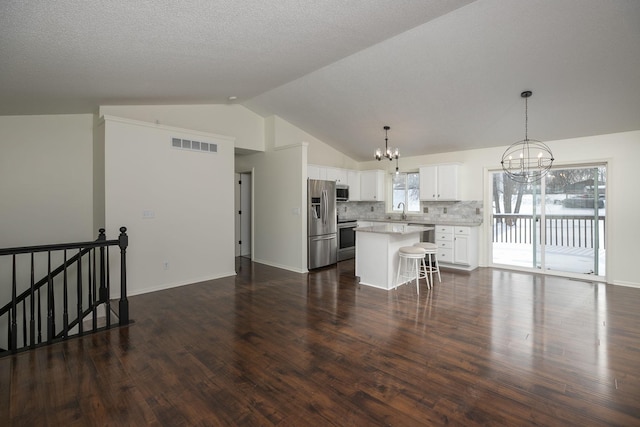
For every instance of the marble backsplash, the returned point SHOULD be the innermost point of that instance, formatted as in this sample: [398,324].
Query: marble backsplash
[469,211]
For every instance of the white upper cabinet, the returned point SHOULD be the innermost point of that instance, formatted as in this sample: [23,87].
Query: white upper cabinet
[439,182]
[372,185]
[337,175]
[340,176]
[353,180]
[316,172]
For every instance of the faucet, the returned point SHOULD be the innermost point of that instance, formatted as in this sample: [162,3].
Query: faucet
[404,213]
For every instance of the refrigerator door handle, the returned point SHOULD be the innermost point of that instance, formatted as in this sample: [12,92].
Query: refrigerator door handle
[322,207]
[326,207]
[323,238]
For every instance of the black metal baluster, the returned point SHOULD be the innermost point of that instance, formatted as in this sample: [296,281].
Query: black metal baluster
[123,242]
[39,317]
[13,335]
[105,276]
[92,291]
[32,320]
[79,288]
[24,323]
[50,329]
[65,312]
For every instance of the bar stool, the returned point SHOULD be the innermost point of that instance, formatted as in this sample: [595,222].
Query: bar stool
[431,264]
[412,256]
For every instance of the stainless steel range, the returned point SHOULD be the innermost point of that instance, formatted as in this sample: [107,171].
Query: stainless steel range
[346,239]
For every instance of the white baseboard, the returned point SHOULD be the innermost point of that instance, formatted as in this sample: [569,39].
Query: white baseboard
[627,284]
[172,285]
[284,267]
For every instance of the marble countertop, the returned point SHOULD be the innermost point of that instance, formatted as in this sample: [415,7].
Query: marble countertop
[461,223]
[394,229]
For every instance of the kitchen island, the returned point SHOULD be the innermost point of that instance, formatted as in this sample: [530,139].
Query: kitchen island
[377,252]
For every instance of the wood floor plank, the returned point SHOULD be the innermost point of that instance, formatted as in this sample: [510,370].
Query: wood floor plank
[273,347]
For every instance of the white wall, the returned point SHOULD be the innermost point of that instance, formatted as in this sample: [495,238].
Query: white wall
[190,194]
[623,204]
[279,209]
[98,176]
[225,119]
[46,185]
[319,153]
[45,191]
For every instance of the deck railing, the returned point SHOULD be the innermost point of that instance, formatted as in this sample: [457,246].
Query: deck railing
[65,298]
[579,231]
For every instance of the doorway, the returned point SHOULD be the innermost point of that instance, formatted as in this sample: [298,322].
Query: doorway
[243,190]
[556,225]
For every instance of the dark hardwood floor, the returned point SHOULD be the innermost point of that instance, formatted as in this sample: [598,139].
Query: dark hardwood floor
[272,347]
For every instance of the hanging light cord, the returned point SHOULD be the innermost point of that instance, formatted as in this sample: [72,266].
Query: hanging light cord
[526,118]
[386,145]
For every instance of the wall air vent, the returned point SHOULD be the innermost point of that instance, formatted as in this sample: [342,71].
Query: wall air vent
[187,144]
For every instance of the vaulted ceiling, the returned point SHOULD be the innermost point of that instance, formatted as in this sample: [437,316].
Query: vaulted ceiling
[446,76]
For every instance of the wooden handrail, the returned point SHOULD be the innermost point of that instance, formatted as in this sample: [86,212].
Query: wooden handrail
[30,299]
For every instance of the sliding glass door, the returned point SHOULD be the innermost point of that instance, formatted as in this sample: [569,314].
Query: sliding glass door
[556,224]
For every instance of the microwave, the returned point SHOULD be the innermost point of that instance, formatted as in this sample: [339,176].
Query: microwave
[342,193]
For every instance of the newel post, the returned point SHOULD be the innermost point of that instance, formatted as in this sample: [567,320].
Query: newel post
[123,242]
[103,274]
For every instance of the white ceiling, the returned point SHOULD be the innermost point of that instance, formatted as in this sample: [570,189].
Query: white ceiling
[445,75]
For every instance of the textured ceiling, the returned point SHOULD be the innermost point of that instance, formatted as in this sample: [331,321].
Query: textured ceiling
[445,76]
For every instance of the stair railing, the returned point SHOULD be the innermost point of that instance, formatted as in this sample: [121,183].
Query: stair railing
[23,314]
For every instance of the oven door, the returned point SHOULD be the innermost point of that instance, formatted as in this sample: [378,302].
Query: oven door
[346,241]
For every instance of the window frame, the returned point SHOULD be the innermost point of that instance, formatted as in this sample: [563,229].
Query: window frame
[405,189]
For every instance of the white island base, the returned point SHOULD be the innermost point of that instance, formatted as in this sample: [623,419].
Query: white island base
[377,252]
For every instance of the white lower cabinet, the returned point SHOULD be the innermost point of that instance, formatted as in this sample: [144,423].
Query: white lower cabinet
[457,246]
[444,240]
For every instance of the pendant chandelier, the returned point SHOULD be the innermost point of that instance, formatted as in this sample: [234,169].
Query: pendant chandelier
[388,152]
[528,160]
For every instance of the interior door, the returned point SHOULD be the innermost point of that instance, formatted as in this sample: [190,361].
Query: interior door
[245,216]
[237,204]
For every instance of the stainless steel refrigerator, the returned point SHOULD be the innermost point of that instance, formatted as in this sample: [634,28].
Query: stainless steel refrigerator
[322,241]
